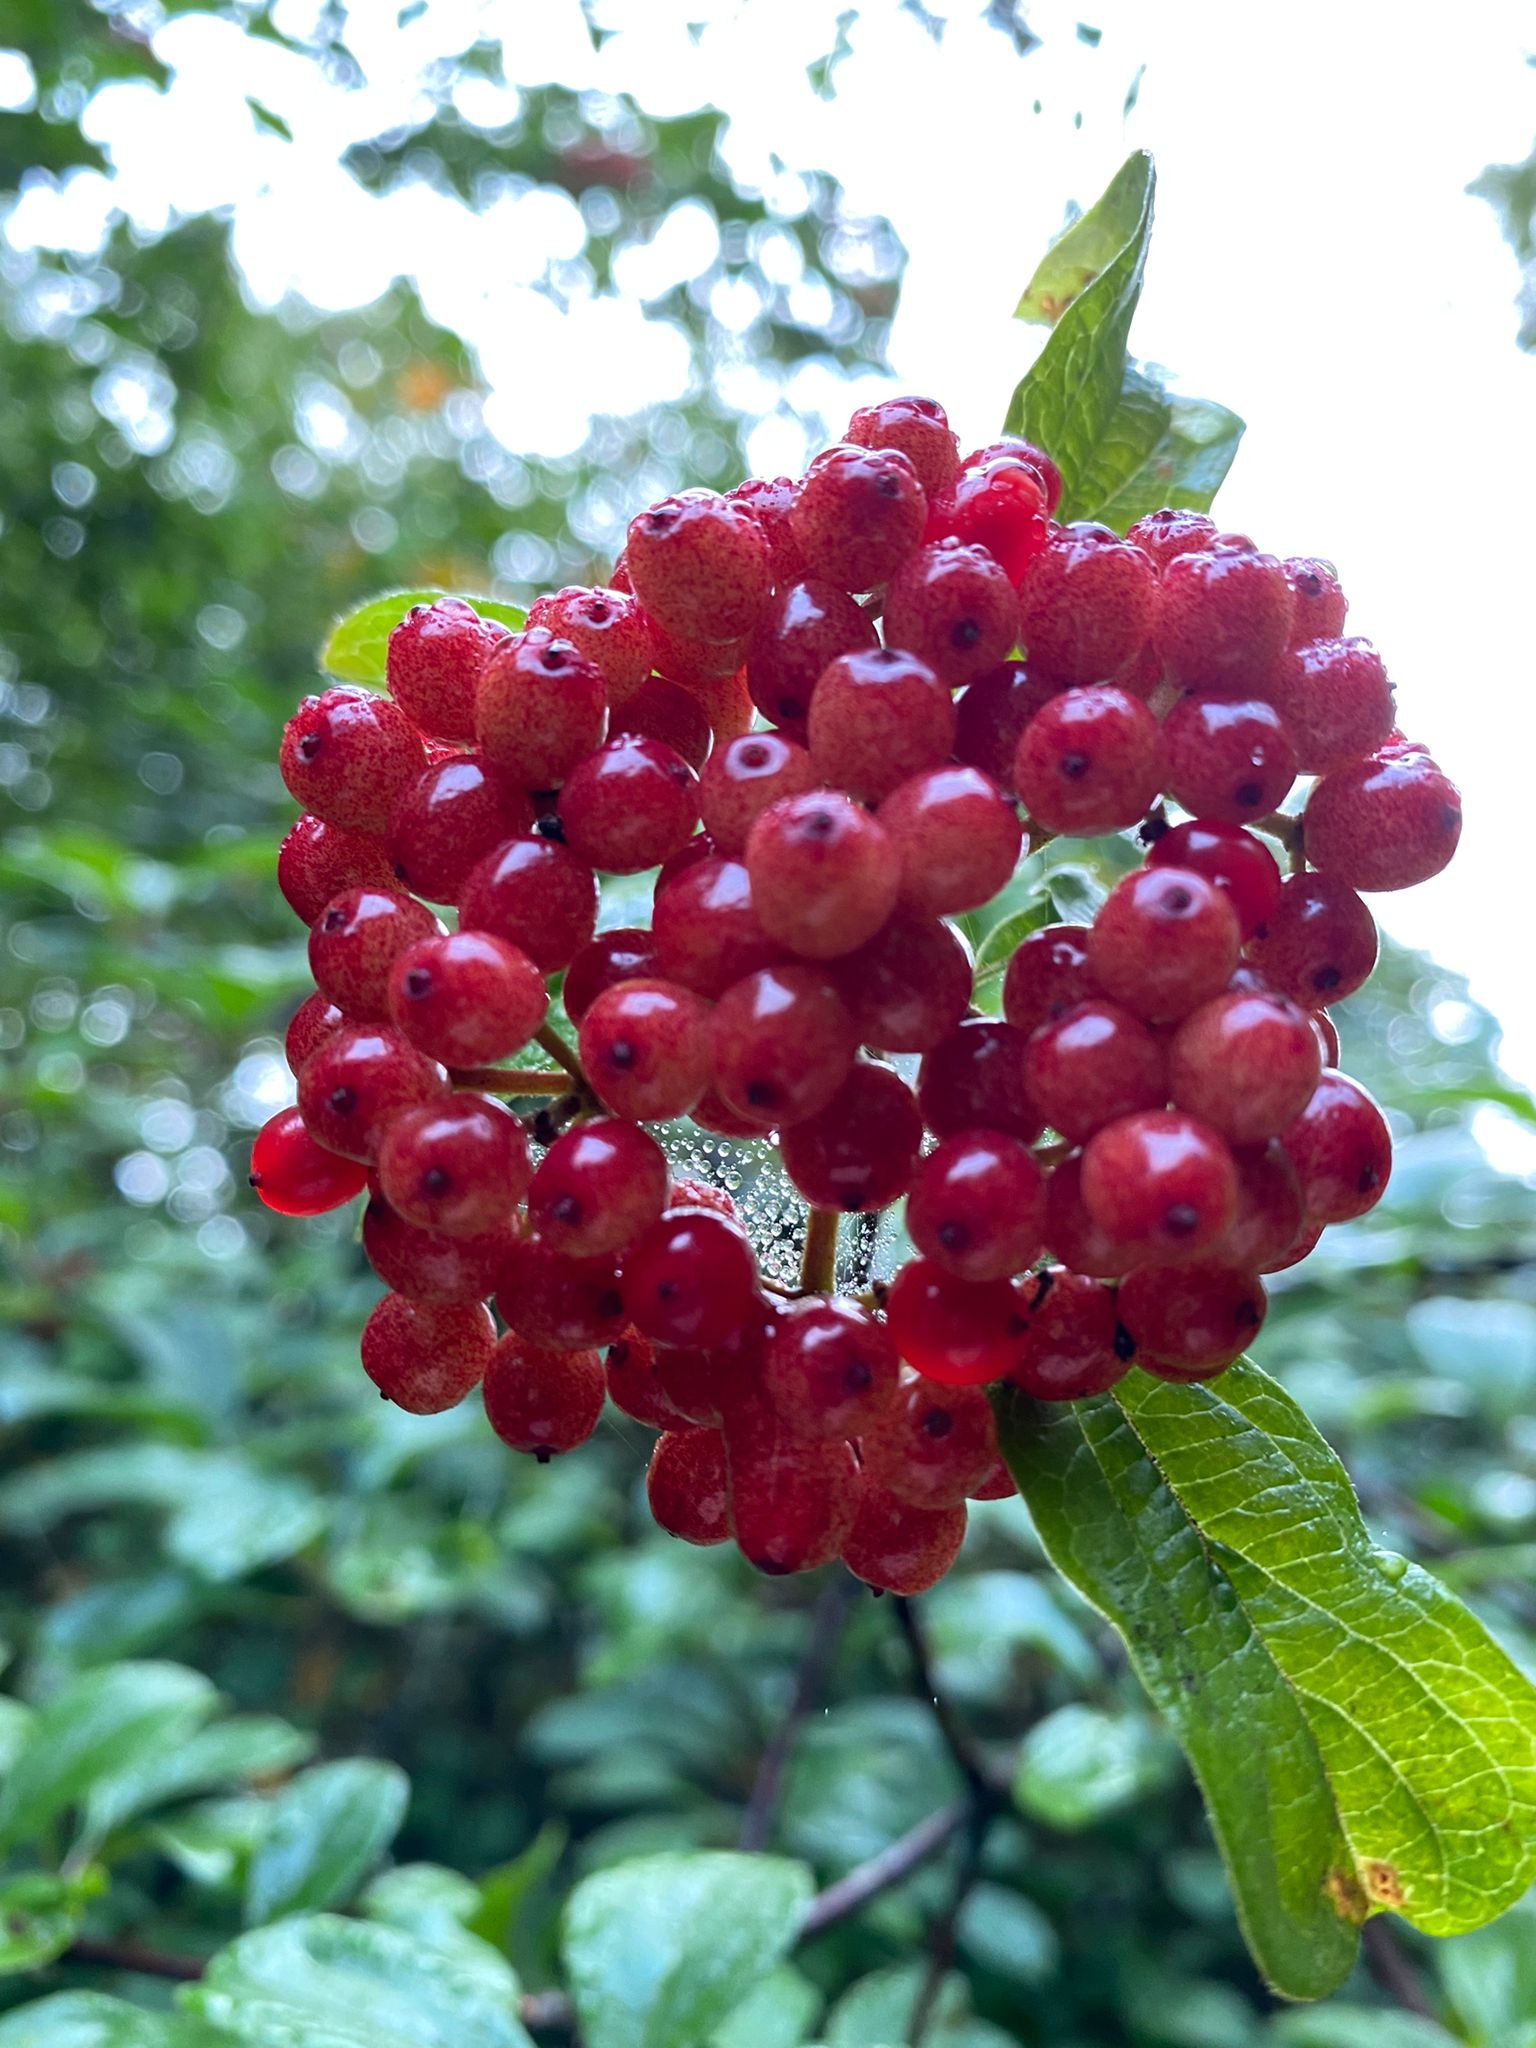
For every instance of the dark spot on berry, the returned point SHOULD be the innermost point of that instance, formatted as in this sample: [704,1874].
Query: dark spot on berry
[333,920]
[309,746]
[1125,1343]
[544,799]
[555,657]
[1450,817]
[1177,900]
[1017,1326]
[610,1302]
[770,1567]
[621,1054]
[965,633]
[1326,978]
[1248,794]
[550,827]
[1247,1317]
[253,1180]
[435,1182]
[857,1377]
[953,1236]
[1369,1177]
[818,825]
[937,1423]
[887,485]
[1181,1218]
[666,1290]
[761,1095]
[1310,585]
[790,707]
[661,518]
[418,983]
[754,755]
[850,1202]
[341,1102]
[598,611]
[618,1354]
[566,1209]
[1074,766]
[543,1454]
[400,874]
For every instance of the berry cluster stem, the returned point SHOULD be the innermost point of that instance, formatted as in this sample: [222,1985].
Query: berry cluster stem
[512,1080]
[561,1054]
[818,1258]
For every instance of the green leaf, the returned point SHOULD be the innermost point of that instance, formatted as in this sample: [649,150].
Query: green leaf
[1079,1764]
[1004,940]
[328,1829]
[240,1519]
[1490,1974]
[1154,449]
[245,1747]
[1071,393]
[776,2013]
[660,1950]
[1008,1934]
[39,1917]
[355,648]
[1357,2026]
[103,1722]
[1361,1741]
[1085,249]
[317,1981]
[89,2019]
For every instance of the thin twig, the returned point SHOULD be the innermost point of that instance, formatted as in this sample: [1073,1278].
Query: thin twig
[1387,1963]
[941,1936]
[981,1780]
[562,1054]
[818,1259]
[511,1080]
[827,1619]
[851,1894]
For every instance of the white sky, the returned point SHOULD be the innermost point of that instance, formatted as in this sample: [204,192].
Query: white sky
[1317,266]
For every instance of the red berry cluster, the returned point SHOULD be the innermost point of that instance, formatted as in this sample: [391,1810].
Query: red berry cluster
[1097,1177]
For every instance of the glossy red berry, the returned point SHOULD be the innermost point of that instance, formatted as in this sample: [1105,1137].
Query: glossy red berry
[1034,459]
[608,627]
[597,1187]
[466,997]
[540,708]
[699,565]
[1229,758]
[459,1165]
[858,1152]
[346,756]
[1320,602]
[1074,1346]
[1072,1235]
[557,1301]
[698,664]
[690,1278]
[991,716]
[629,805]
[958,1332]
[897,1548]
[1090,761]
[706,928]
[875,718]
[956,836]
[1341,1149]
[686,1486]
[1164,941]
[543,1402]
[1389,821]
[355,942]
[1245,1063]
[535,894]
[317,861]
[976,1206]
[781,1043]
[935,1441]
[634,1383]
[908,986]
[1222,617]
[1191,1322]
[1336,700]
[425,1356]
[1319,942]
[917,428]
[824,874]
[792,1501]
[295,1176]
[1047,974]
[808,625]
[429,1265]
[1237,864]
[1269,1215]
[1161,1184]
[952,605]
[857,514]
[451,816]
[1085,605]
[645,1048]
[434,662]
[670,714]
[627,954]
[360,1078]
[829,1368]
[311,1024]
[768,499]
[998,503]
[741,779]
[973,1080]
[1171,532]
[1093,1063]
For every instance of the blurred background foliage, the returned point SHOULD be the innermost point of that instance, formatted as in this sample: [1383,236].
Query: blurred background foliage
[193,1467]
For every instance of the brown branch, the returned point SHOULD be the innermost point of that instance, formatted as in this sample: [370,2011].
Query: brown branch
[511,1080]
[827,1619]
[941,1936]
[818,1259]
[562,1054]
[851,1894]
[981,1779]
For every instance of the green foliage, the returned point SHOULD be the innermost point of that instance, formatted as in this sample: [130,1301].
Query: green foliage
[354,650]
[1510,189]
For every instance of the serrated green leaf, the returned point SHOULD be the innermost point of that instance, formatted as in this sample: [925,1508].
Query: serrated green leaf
[1084,250]
[328,1829]
[1078,1764]
[1361,1741]
[102,1722]
[39,1917]
[1155,449]
[90,2019]
[317,1981]
[1070,394]
[356,646]
[244,1747]
[659,1951]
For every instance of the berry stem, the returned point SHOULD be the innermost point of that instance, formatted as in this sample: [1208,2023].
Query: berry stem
[818,1259]
[827,1621]
[511,1080]
[561,1054]
[981,1779]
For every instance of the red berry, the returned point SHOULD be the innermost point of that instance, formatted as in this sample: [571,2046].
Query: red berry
[1269,1214]
[317,861]
[768,499]
[829,1369]
[541,707]
[668,713]
[295,1176]
[857,514]
[1327,1037]
[690,1278]
[741,779]
[1093,1063]
[558,1301]
[434,662]
[686,1487]
[428,1265]
[346,756]
[1304,1245]
[1090,761]
[645,1049]
[1165,941]
[597,1187]
[355,943]
[1341,1149]
[908,986]
[957,836]
[360,1078]
[1074,1345]
[1222,617]
[634,1383]
[792,1501]
[629,805]
[973,1080]
[628,954]
[1320,603]
[958,1332]
[459,1166]
[1229,758]
[706,929]
[425,1356]
[1073,1236]
[311,1024]
[991,716]
[858,1152]
[452,815]
[1319,943]
[1239,865]
[915,427]
[1336,699]
[1172,532]
[1047,975]
[1085,605]
[877,717]
[781,1043]
[998,503]
[697,664]
[976,1206]
[608,627]
[1387,822]
[699,564]
[1161,1184]
[1045,472]
[808,625]
[953,607]
[998,1484]
[466,997]
[824,873]
[535,894]
[935,1442]
[1245,1063]
[544,1402]
[1191,1322]
[897,1548]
